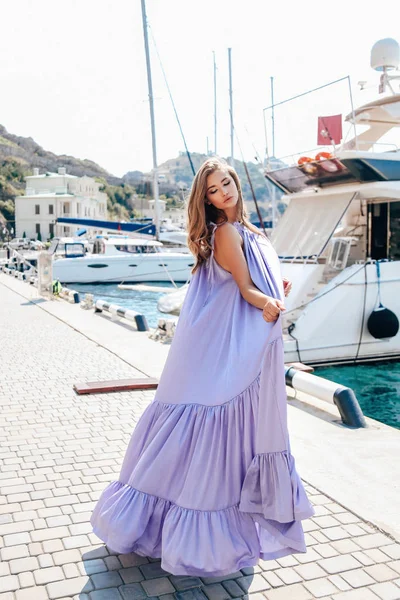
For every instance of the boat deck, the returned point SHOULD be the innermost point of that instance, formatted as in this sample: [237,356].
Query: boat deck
[59,450]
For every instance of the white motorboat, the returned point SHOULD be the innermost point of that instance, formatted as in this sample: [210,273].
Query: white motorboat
[117,259]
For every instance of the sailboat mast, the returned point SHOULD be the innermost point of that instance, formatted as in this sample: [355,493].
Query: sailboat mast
[230,102]
[153,129]
[215,105]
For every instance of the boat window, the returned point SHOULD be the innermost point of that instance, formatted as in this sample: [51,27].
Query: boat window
[98,247]
[308,224]
[97,266]
[74,250]
[394,239]
[130,249]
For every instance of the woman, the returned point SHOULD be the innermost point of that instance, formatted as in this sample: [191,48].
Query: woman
[208,482]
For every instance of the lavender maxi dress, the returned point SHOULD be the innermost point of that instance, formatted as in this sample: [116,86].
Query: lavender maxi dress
[208,482]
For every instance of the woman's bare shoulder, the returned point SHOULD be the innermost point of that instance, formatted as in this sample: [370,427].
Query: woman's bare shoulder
[226,234]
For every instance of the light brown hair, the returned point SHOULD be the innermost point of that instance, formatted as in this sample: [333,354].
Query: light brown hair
[202,215]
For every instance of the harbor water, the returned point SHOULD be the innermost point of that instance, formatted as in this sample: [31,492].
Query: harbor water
[377,386]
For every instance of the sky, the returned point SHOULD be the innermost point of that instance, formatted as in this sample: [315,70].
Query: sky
[73,74]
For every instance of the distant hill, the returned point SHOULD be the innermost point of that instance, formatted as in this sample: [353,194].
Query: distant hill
[19,155]
[176,176]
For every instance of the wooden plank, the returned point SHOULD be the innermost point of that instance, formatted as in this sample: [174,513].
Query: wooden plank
[118,385]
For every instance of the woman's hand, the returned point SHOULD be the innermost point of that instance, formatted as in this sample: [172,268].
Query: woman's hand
[272,309]
[287,286]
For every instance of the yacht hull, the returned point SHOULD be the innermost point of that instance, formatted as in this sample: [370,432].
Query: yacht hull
[117,269]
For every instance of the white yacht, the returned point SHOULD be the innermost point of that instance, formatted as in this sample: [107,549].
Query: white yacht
[117,259]
[339,243]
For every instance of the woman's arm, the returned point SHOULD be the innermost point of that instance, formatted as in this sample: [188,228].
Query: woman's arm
[229,255]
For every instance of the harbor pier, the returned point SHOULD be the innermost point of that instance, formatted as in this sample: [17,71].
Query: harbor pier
[59,450]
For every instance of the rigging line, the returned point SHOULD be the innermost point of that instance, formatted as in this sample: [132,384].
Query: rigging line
[172,101]
[323,293]
[250,184]
[363,313]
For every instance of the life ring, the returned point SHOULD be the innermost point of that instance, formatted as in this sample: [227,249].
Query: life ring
[323,156]
[304,159]
[308,165]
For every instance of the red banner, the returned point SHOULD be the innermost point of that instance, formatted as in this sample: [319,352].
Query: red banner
[329,130]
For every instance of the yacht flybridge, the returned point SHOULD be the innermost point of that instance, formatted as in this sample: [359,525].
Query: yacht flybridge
[339,243]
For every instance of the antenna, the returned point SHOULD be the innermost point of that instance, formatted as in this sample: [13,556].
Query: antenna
[385,57]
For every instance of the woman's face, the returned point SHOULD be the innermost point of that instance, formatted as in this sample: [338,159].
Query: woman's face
[221,190]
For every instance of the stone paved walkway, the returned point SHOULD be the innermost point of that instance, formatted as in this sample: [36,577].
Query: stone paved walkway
[57,453]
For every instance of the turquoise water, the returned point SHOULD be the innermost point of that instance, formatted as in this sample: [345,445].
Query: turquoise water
[145,303]
[377,387]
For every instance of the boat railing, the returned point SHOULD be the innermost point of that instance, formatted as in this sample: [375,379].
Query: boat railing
[19,261]
[292,159]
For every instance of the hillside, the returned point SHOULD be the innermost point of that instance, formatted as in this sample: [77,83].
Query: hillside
[19,155]
[175,178]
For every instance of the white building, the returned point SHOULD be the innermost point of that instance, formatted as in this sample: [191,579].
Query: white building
[54,195]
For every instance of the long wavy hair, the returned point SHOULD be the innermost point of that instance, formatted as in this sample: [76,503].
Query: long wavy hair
[202,216]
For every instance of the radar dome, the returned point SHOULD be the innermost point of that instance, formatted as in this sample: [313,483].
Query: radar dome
[385,54]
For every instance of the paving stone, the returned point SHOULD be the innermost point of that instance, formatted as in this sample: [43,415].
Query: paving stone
[338,564]
[49,534]
[71,570]
[376,555]
[360,594]
[320,587]
[357,578]
[66,556]
[109,594]
[381,572]
[26,579]
[373,540]
[44,576]
[310,571]
[395,565]
[290,592]
[9,583]
[23,564]
[233,588]
[46,560]
[14,552]
[273,579]
[51,546]
[77,541]
[345,546]
[386,591]
[288,575]
[393,551]
[216,592]
[325,550]
[152,570]
[287,561]
[253,583]
[157,587]
[112,563]
[16,539]
[69,587]
[106,580]
[363,558]
[133,591]
[32,593]
[310,556]
[131,574]
[194,594]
